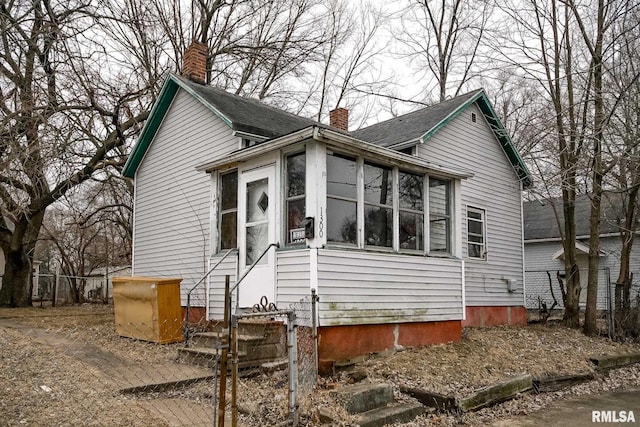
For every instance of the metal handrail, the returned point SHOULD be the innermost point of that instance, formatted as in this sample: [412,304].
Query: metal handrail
[186,331]
[277,245]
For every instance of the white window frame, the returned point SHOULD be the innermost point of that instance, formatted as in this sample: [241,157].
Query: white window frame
[483,221]
[452,241]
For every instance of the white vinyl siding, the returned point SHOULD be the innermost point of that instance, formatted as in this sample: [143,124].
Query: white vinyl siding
[293,277]
[357,287]
[172,202]
[472,146]
[229,266]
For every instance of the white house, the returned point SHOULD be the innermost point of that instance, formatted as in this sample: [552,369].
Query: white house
[544,254]
[407,230]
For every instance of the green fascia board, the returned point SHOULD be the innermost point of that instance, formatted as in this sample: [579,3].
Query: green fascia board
[158,112]
[498,130]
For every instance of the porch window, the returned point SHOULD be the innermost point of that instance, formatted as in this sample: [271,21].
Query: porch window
[439,216]
[476,245]
[229,210]
[378,206]
[342,199]
[371,205]
[411,216]
[295,197]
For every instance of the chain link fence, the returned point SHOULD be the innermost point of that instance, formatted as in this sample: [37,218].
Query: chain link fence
[544,294]
[77,365]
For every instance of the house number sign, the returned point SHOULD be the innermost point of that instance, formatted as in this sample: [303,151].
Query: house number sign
[321,224]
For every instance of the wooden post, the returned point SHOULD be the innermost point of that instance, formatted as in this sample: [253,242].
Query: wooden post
[234,374]
[223,358]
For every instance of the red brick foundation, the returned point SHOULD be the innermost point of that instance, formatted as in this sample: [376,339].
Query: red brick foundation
[337,343]
[494,316]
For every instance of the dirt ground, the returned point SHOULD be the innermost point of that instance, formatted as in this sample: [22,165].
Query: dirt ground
[49,378]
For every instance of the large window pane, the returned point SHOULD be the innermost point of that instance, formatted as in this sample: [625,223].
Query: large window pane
[296,175]
[229,210]
[439,216]
[378,184]
[438,197]
[229,191]
[411,191]
[378,226]
[341,221]
[228,230]
[439,236]
[411,231]
[295,198]
[341,176]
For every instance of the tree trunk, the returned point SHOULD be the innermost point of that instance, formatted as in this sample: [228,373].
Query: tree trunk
[17,280]
[590,327]
[571,316]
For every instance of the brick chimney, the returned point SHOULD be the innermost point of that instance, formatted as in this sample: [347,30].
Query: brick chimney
[194,62]
[339,118]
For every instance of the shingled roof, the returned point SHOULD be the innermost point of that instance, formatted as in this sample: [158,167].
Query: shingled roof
[540,220]
[251,116]
[247,114]
[412,126]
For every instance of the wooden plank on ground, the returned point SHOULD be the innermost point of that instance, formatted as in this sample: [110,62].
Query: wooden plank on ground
[611,362]
[559,382]
[496,393]
[431,399]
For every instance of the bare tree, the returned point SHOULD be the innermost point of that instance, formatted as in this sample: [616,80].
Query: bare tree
[551,62]
[63,120]
[445,39]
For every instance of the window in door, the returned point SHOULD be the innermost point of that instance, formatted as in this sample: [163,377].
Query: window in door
[229,210]
[257,219]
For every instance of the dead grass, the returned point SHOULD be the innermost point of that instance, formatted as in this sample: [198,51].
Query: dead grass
[42,385]
[486,356]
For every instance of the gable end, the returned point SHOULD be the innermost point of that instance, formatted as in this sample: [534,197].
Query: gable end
[498,130]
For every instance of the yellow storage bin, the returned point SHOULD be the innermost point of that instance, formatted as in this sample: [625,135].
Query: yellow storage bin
[148,308]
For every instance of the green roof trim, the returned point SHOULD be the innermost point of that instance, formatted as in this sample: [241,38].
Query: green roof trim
[498,130]
[158,112]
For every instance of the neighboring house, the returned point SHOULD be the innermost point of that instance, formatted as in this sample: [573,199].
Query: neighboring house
[93,288]
[544,253]
[407,230]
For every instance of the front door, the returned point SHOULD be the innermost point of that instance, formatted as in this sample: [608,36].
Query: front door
[256,210]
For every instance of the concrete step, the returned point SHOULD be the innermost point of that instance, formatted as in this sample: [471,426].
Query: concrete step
[216,340]
[207,357]
[249,346]
[393,413]
[365,397]
[271,331]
